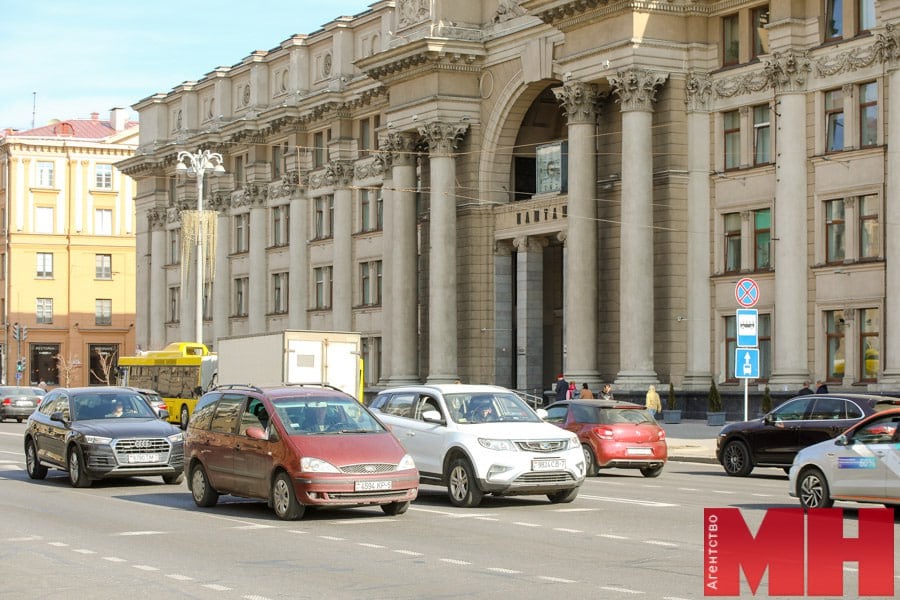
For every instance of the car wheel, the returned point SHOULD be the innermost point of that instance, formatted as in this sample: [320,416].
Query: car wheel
[19,419]
[462,488]
[652,471]
[35,469]
[812,489]
[736,459]
[563,496]
[77,476]
[185,417]
[590,463]
[174,478]
[203,493]
[284,499]
[395,508]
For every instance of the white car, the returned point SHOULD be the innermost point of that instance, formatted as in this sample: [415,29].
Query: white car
[860,465]
[478,439]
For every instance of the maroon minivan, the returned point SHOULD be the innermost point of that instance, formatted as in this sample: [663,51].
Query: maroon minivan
[295,446]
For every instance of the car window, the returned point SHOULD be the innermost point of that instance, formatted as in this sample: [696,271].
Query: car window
[425,404]
[227,411]
[585,414]
[204,411]
[792,410]
[504,407]
[879,431]
[327,414]
[56,403]
[399,405]
[853,411]
[557,413]
[255,415]
[829,409]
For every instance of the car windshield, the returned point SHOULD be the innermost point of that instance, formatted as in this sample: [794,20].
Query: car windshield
[312,416]
[489,407]
[624,415]
[110,405]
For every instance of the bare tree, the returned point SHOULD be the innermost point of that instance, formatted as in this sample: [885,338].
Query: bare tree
[107,361]
[67,366]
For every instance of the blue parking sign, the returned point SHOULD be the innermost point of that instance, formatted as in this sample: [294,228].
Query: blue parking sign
[746,363]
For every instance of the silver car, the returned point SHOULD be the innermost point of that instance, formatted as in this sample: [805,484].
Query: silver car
[18,402]
[860,465]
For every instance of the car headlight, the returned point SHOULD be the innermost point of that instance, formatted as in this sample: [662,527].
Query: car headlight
[574,442]
[317,465]
[505,445]
[406,462]
[97,439]
[176,437]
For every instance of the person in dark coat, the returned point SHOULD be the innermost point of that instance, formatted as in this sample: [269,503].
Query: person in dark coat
[562,386]
[821,388]
[805,389]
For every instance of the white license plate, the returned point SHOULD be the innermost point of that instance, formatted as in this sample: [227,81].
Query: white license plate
[372,486]
[639,451]
[24,403]
[143,458]
[548,464]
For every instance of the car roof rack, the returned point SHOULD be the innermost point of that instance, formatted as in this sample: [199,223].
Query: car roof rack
[237,386]
[314,384]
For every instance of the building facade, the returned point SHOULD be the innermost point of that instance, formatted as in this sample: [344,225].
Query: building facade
[499,191]
[68,262]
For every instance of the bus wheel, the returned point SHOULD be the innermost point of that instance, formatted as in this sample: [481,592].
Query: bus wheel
[184,417]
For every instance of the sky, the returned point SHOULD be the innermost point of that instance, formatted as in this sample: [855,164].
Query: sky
[64,59]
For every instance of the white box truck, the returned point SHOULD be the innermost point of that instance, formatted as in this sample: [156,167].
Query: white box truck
[292,356]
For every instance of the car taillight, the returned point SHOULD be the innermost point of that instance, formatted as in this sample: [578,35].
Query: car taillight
[163,407]
[604,433]
[7,401]
[662,433]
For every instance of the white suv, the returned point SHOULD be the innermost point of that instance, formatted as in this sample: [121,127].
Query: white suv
[479,439]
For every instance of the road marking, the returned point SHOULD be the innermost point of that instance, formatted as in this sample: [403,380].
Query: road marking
[505,571]
[332,538]
[297,531]
[722,492]
[11,434]
[611,536]
[555,579]
[454,561]
[141,533]
[83,551]
[114,559]
[660,543]
[762,495]
[30,538]
[564,530]
[254,597]
[627,501]
[178,577]
[526,524]
[10,467]
[575,509]
[359,522]
[216,587]
[609,588]
[688,489]
[58,544]
[487,519]
[254,526]
[145,567]
[364,545]
[409,552]
[10,452]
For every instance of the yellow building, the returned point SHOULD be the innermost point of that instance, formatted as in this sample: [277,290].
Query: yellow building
[67,225]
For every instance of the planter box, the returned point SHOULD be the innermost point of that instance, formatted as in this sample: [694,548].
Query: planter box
[672,416]
[715,418]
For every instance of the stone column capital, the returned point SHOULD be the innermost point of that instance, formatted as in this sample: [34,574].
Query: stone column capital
[399,149]
[697,91]
[157,218]
[788,71]
[442,137]
[338,173]
[636,88]
[220,202]
[887,46]
[580,101]
[530,244]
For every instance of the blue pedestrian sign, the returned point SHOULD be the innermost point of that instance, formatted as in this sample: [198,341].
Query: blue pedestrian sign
[746,363]
[747,327]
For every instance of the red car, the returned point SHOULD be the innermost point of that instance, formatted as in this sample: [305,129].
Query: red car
[295,446]
[613,434]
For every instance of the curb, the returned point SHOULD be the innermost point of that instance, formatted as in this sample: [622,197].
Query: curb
[709,460]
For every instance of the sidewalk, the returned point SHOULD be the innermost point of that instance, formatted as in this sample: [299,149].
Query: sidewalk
[691,441]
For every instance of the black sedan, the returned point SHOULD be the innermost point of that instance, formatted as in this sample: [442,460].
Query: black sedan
[775,439]
[99,433]
[18,402]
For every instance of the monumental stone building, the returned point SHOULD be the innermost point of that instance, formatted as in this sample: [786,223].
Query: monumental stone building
[500,191]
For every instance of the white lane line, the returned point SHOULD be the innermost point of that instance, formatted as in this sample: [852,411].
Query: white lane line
[297,531]
[626,500]
[256,526]
[762,495]
[354,523]
[564,530]
[18,435]
[127,533]
[651,486]
[178,577]
[454,561]
[29,538]
[364,545]
[722,492]
[526,524]
[612,536]
[555,579]
[254,597]
[576,509]
[114,559]
[505,571]
[409,552]
[688,490]
[145,567]
[486,519]
[83,551]
[216,587]
[620,590]
[58,544]
[661,543]
[332,538]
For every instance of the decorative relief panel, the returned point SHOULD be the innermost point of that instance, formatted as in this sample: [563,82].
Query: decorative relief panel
[411,12]
[698,89]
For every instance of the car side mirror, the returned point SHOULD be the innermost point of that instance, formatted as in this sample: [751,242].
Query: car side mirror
[257,433]
[57,416]
[164,415]
[432,416]
[841,440]
[769,419]
[542,413]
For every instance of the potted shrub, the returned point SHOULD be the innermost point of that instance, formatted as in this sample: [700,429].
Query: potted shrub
[671,413]
[714,413]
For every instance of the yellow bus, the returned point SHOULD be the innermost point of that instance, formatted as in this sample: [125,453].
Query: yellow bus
[181,373]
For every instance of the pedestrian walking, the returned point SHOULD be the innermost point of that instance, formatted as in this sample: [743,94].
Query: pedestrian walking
[652,401]
[821,387]
[573,391]
[586,393]
[805,389]
[562,388]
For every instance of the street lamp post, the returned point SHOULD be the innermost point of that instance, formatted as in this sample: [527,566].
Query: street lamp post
[197,164]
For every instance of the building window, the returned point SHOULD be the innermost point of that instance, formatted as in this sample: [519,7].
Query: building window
[44,265]
[732,123]
[834,344]
[379,209]
[866,15]
[44,314]
[834,20]
[759,19]
[764,327]
[868,114]
[731,44]
[103,177]
[43,219]
[869,230]
[174,246]
[834,121]
[371,355]
[44,174]
[242,232]
[370,282]
[238,172]
[103,311]
[365,133]
[279,293]
[103,266]
[278,152]
[762,145]
[732,242]
[324,208]
[318,149]
[365,209]
[834,231]
[103,221]
[323,287]
[174,302]
[173,191]
[281,225]
[869,344]
[241,292]
[762,238]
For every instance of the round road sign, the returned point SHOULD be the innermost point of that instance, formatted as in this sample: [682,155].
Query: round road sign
[746,292]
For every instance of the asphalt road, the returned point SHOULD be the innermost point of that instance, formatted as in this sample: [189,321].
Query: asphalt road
[624,537]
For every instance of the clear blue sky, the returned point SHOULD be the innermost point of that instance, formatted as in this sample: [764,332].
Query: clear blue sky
[84,57]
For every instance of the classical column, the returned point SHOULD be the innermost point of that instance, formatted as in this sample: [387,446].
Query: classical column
[340,175]
[787,74]
[221,281]
[530,313]
[443,361]
[157,292]
[504,344]
[384,160]
[402,251]
[697,93]
[298,273]
[257,305]
[636,91]
[580,276]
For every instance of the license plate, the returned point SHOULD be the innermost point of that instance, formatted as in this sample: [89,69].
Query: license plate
[143,458]
[24,403]
[548,464]
[372,486]
[639,451]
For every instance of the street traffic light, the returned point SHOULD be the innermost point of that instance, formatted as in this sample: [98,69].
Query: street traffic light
[20,365]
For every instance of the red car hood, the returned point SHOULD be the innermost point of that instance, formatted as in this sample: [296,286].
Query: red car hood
[341,449]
